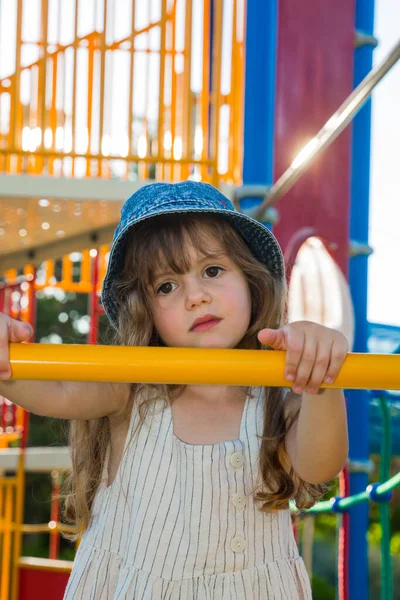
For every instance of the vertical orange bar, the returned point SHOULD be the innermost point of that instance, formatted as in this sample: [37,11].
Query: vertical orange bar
[92,41]
[3,592]
[131,79]
[48,272]
[239,105]
[53,112]
[55,515]
[66,278]
[187,139]
[85,281]
[205,96]
[144,166]
[102,86]
[161,85]
[15,133]
[6,562]
[62,75]
[33,111]
[17,77]
[19,420]
[74,103]
[41,106]
[174,92]
[10,275]
[19,517]
[231,100]
[43,62]
[216,89]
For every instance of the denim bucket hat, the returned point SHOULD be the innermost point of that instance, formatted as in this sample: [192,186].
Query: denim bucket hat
[185,197]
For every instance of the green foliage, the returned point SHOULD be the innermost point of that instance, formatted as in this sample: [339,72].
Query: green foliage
[395,544]
[321,590]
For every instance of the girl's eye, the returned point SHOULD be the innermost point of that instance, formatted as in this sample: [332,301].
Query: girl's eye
[165,288]
[213,271]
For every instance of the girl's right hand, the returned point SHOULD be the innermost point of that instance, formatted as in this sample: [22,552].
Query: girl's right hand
[11,330]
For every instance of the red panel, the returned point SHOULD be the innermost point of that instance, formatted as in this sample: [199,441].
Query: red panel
[36,584]
[314,76]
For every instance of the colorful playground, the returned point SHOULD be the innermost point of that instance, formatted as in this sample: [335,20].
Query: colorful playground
[269,101]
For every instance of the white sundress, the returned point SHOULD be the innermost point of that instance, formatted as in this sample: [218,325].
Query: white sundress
[179,523]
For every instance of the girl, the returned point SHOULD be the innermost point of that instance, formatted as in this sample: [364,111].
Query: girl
[182,492]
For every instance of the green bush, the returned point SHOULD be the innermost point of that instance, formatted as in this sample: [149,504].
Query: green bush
[321,590]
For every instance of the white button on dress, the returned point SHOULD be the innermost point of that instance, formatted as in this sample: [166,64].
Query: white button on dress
[236,460]
[239,500]
[238,544]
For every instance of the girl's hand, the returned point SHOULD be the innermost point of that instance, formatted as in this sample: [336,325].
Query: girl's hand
[11,331]
[315,354]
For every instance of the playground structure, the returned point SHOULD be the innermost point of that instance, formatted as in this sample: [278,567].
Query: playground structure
[94,104]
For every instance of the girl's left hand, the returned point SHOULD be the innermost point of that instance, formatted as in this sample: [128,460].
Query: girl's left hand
[315,354]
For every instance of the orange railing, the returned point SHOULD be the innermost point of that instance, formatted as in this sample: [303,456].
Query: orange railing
[125,89]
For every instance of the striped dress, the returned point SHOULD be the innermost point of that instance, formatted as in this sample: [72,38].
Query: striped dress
[179,523]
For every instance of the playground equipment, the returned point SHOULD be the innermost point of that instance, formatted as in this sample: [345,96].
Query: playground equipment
[68,162]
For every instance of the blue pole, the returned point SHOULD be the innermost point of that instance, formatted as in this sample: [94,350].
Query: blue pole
[261,36]
[358,276]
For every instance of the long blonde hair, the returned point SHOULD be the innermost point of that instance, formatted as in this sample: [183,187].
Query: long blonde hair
[157,243]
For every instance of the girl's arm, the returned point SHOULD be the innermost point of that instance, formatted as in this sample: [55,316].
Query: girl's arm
[317,443]
[66,399]
[59,399]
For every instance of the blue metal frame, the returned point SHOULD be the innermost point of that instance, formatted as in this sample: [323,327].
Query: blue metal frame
[358,276]
[261,39]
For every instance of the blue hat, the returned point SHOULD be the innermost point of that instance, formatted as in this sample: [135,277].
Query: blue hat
[185,197]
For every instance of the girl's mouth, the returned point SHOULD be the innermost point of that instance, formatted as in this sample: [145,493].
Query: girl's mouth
[207,325]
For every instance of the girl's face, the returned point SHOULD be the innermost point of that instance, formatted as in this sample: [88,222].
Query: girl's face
[214,287]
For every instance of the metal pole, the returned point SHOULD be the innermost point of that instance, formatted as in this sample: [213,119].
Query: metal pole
[261,33]
[357,404]
[211,366]
[334,125]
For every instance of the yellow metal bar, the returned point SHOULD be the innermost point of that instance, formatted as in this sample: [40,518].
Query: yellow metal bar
[89,155]
[187,365]
[47,528]
[6,558]
[19,517]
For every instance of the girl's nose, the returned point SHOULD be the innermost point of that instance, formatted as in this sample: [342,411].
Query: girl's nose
[196,294]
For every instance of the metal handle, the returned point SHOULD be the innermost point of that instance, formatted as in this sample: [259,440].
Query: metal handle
[210,366]
[334,126]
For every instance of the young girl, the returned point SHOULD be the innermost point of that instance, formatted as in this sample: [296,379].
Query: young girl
[182,492]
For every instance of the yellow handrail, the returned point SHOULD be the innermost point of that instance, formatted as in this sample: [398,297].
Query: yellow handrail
[187,366]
